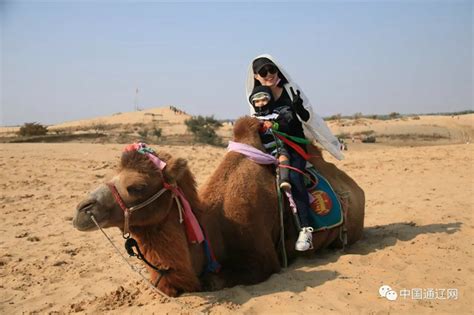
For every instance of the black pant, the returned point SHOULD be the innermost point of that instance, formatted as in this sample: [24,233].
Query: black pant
[298,188]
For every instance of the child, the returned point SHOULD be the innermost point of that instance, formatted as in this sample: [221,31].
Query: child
[284,119]
[264,111]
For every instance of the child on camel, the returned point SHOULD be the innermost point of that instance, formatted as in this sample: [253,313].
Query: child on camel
[283,119]
[264,111]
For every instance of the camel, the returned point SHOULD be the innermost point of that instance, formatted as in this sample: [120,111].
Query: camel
[237,209]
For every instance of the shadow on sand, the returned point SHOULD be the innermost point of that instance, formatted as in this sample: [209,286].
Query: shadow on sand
[375,238]
[381,236]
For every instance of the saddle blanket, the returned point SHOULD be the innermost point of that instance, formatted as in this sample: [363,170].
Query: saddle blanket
[327,209]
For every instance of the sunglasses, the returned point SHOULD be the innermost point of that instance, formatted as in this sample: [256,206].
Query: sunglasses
[267,69]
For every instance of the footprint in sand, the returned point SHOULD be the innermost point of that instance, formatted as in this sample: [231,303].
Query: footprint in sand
[33,239]
[22,235]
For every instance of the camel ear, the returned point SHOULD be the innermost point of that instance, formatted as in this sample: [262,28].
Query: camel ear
[174,169]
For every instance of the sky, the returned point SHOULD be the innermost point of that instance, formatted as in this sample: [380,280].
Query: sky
[69,60]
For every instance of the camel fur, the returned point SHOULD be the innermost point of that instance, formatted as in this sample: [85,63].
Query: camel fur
[237,208]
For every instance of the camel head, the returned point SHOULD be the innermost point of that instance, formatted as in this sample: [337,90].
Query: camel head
[246,130]
[138,178]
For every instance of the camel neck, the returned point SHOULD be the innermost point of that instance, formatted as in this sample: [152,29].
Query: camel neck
[166,247]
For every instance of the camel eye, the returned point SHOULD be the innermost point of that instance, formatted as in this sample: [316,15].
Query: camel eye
[133,190]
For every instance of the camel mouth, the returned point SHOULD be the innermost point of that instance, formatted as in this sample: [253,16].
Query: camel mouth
[84,225]
[83,218]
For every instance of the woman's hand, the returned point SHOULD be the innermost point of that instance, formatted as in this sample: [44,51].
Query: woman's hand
[297,104]
[297,101]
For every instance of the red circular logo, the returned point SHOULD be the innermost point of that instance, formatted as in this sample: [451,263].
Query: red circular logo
[322,203]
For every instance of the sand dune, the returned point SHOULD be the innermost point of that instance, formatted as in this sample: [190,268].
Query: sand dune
[447,129]
[159,115]
[416,129]
[419,232]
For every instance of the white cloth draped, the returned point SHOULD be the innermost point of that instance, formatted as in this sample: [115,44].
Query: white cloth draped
[315,129]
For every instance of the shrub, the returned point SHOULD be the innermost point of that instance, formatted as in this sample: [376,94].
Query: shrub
[394,115]
[357,116]
[336,117]
[143,133]
[60,131]
[343,135]
[204,129]
[33,129]
[98,126]
[156,132]
[369,139]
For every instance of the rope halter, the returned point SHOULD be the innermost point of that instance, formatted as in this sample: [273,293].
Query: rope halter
[141,148]
[186,215]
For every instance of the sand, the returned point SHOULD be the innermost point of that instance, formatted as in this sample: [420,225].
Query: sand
[419,235]
[410,130]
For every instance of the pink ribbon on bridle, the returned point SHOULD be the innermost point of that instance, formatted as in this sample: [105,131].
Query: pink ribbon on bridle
[144,149]
[193,229]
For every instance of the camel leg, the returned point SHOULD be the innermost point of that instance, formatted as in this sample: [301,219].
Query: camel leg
[354,223]
[355,215]
[251,260]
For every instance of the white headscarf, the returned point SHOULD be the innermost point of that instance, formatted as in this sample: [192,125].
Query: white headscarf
[315,129]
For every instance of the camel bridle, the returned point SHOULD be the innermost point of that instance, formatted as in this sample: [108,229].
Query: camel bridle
[131,244]
[193,228]
[127,211]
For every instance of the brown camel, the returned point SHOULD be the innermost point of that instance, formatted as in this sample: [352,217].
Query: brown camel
[237,208]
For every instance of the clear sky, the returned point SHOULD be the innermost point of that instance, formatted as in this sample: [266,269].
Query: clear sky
[63,61]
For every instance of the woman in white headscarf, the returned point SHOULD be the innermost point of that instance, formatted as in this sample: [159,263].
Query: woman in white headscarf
[265,71]
[285,90]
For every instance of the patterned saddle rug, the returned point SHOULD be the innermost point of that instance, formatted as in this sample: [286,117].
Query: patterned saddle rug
[327,209]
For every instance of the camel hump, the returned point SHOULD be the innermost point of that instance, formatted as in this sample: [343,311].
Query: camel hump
[246,130]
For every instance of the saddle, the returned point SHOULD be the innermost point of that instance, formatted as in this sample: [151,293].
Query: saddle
[327,209]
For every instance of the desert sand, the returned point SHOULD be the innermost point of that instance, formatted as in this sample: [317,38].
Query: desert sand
[419,235]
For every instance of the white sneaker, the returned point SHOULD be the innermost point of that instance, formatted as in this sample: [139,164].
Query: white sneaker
[285,185]
[305,239]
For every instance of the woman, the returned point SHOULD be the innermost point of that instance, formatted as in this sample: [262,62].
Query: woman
[266,72]
[281,84]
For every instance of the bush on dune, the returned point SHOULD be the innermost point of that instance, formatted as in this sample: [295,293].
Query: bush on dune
[32,129]
[204,129]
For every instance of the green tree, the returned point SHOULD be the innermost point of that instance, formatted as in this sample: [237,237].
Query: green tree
[143,133]
[357,116]
[33,129]
[156,131]
[336,117]
[394,115]
[204,129]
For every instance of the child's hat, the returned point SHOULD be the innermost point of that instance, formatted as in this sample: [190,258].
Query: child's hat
[260,92]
